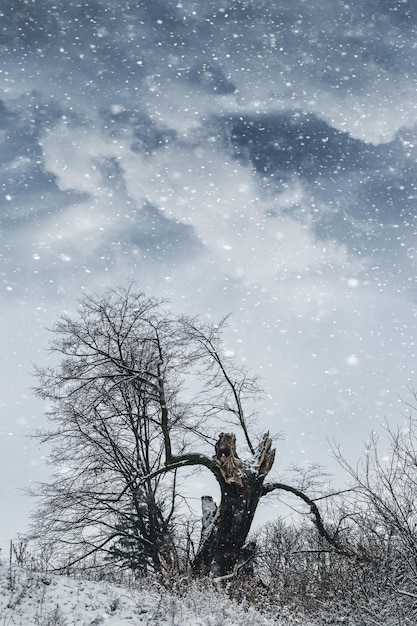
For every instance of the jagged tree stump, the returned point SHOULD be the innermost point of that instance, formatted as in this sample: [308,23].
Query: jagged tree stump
[226,526]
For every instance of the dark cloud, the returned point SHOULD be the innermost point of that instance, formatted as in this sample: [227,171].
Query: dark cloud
[294,142]
[366,185]
[163,239]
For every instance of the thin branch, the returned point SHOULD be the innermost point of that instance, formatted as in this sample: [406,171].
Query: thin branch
[188,460]
[84,556]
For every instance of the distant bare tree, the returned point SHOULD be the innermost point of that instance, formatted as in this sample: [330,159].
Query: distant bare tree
[380,518]
[136,396]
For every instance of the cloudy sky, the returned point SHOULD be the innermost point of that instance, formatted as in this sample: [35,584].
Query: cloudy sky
[250,157]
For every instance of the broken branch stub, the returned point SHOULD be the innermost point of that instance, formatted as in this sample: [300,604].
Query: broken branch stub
[226,455]
[266,455]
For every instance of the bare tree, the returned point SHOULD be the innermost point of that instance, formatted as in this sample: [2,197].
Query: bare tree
[136,396]
[380,518]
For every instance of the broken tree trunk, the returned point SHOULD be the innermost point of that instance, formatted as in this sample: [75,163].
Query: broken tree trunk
[226,526]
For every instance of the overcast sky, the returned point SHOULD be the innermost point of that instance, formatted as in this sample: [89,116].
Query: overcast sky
[250,157]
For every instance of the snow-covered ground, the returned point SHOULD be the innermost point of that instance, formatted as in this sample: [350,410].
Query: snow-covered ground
[34,599]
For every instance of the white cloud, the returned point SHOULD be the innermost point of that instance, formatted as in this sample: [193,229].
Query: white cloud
[197,183]
[73,154]
[205,187]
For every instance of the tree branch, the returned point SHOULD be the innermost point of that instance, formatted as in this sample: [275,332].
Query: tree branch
[84,556]
[186,460]
[323,532]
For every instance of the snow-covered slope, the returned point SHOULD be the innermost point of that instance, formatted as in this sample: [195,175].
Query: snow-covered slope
[34,599]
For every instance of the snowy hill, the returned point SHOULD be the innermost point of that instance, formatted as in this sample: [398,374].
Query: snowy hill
[35,599]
